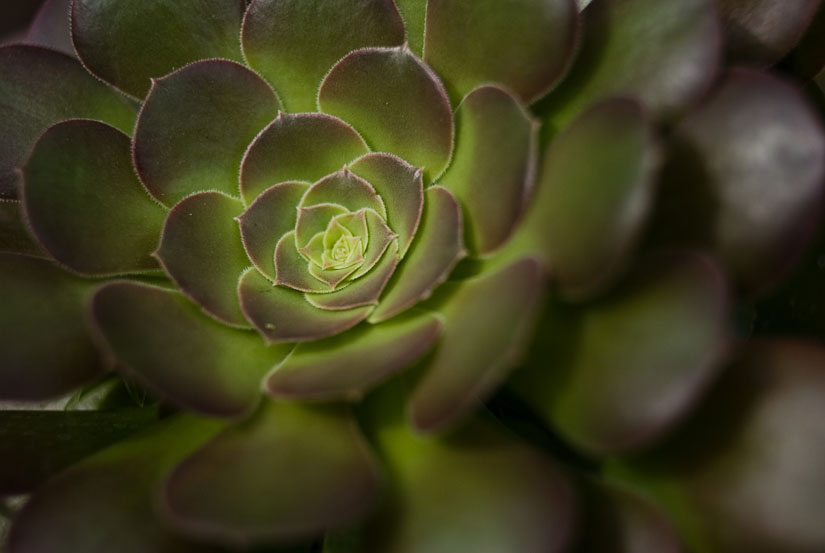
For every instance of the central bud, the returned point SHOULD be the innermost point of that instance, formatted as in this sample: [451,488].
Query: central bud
[342,249]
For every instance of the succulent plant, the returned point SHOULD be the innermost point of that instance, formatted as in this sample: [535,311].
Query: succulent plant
[408,276]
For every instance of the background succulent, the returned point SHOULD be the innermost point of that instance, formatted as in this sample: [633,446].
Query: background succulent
[406,276]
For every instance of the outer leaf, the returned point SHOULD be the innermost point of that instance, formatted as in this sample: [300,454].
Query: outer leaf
[346,189]
[193,361]
[15,236]
[594,194]
[488,323]
[307,469]
[493,167]
[533,45]
[45,350]
[664,53]
[293,43]
[347,365]
[619,373]
[195,126]
[414,13]
[437,248]
[283,315]
[302,147]
[50,27]
[396,102]
[202,252]
[752,160]
[114,490]
[129,44]
[40,87]
[84,202]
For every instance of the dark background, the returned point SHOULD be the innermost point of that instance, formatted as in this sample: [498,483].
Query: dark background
[16,15]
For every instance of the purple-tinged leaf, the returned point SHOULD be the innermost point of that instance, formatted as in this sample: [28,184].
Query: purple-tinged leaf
[745,473]
[615,375]
[45,349]
[414,14]
[400,186]
[283,315]
[15,236]
[286,473]
[84,203]
[50,27]
[267,219]
[380,237]
[396,102]
[437,248]
[595,191]
[745,178]
[293,43]
[524,45]
[493,167]
[488,322]
[165,341]
[128,44]
[298,147]
[201,250]
[761,32]
[346,189]
[108,500]
[317,218]
[347,365]
[664,53]
[292,270]
[195,126]
[40,87]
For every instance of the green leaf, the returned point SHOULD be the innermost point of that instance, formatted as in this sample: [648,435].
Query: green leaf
[129,44]
[315,219]
[40,87]
[84,203]
[45,349]
[524,45]
[298,147]
[50,27]
[437,247]
[195,126]
[346,189]
[595,192]
[283,315]
[347,365]
[288,472]
[107,500]
[494,165]
[167,343]
[293,43]
[488,322]
[396,102]
[292,270]
[15,236]
[201,250]
[615,375]
[414,14]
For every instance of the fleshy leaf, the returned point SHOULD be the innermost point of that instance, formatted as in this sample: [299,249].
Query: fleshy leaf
[594,194]
[84,203]
[380,238]
[201,250]
[293,43]
[302,147]
[396,102]
[292,270]
[195,126]
[488,323]
[14,234]
[664,53]
[129,44]
[533,46]
[745,473]
[497,493]
[616,374]
[364,291]
[751,160]
[40,87]
[347,189]
[493,167]
[315,219]
[50,27]
[267,219]
[763,31]
[288,472]
[437,247]
[283,315]
[107,500]
[400,186]
[414,14]
[45,349]
[195,362]
[36,445]
[347,365]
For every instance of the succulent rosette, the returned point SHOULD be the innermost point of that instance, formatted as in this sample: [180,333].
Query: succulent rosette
[440,276]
